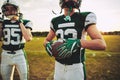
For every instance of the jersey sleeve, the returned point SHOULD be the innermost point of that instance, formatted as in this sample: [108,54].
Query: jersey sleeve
[28,24]
[51,26]
[90,19]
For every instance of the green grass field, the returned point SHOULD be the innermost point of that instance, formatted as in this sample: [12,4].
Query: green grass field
[100,65]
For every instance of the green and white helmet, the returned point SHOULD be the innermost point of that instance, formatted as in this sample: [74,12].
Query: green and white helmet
[10,2]
[70,3]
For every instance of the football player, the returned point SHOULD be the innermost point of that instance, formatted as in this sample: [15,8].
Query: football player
[73,27]
[16,31]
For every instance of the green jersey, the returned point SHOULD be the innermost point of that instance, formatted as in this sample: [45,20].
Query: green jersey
[76,28]
[12,35]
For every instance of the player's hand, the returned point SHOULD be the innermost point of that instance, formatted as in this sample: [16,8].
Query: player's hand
[49,48]
[64,52]
[70,46]
[15,17]
[73,44]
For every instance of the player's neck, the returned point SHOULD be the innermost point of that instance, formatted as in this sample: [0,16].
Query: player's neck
[66,11]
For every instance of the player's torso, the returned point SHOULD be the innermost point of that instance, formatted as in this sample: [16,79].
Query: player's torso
[12,36]
[70,29]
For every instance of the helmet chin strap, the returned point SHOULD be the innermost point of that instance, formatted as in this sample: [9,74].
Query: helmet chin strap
[68,18]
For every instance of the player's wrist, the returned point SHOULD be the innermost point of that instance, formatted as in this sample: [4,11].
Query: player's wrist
[49,43]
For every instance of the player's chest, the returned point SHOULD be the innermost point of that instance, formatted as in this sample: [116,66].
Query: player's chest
[11,29]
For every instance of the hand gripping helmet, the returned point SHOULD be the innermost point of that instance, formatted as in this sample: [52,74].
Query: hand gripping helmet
[70,3]
[9,2]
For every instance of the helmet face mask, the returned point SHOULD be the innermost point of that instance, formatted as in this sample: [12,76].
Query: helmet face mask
[70,4]
[10,9]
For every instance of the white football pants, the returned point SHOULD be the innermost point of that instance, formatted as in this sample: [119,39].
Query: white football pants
[18,59]
[68,72]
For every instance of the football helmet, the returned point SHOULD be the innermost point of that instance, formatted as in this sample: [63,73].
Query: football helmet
[70,3]
[8,11]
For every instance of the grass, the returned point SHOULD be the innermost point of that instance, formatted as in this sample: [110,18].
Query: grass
[100,65]
[103,67]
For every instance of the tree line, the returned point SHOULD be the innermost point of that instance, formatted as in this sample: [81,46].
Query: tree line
[44,34]
[111,33]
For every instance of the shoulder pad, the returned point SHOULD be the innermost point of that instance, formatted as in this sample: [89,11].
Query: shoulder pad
[25,21]
[85,13]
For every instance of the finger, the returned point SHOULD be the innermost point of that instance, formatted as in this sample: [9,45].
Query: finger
[73,46]
[49,51]
[61,48]
[62,45]
[61,53]
[68,54]
[49,46]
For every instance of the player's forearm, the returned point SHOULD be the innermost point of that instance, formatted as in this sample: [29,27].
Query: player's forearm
[95,44]
[26,32]
[49,37]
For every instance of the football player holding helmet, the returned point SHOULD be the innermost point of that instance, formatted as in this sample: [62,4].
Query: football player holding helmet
[16,31]
[73,27]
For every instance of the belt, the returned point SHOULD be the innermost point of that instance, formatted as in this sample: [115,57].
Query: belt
[69,62]
[11,52]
